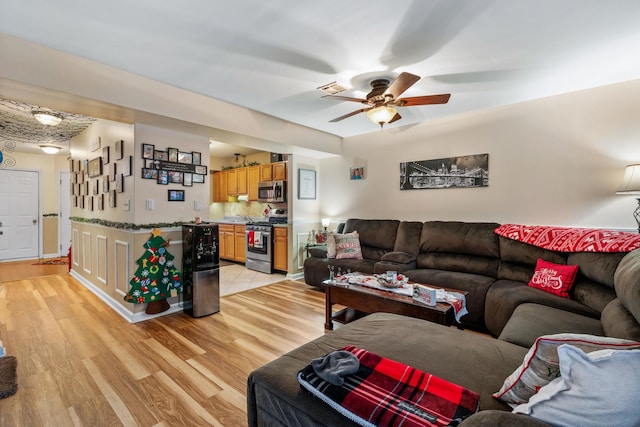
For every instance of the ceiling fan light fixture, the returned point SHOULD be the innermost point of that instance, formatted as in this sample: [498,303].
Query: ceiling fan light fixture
[47,118]
[381,114]
[50,148]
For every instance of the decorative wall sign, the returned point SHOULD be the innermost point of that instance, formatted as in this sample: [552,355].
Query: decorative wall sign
[451,172]
[306,184]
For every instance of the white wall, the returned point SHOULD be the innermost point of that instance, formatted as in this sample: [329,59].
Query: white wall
[553,161]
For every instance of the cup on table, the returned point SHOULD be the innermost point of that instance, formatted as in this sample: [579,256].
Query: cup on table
[392,276]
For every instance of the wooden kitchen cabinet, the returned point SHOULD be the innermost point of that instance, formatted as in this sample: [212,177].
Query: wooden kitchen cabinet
[266,173]
[279,171]
[280,244]
[253,178]
[240,243]
[232,182]
[242,180]
[227,241]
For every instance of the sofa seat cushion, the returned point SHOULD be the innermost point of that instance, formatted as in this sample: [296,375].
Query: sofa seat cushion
[530,321]
[476,286]
[476,362]
[505,295]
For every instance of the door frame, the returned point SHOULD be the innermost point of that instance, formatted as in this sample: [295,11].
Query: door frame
[62,210]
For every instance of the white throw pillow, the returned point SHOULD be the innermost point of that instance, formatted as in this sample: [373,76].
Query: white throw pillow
[601,388]
[540,364]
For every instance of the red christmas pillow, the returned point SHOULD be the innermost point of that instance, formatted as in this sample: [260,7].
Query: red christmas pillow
[554,278]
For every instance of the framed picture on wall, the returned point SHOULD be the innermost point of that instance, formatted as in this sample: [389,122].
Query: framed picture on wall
[119,183]
[197,178]
[105,184]
[186,179]
[147,151]
[105,155]
[161,155]
[175,177]
[119,149]
[175,195]
[184,157]
[95,167]
[163,177]
[306,184]
[127,165]
[112,198]
[201,170]
[173,154]
[196,157]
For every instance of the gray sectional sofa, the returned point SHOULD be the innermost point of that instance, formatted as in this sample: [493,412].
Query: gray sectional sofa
[605,301]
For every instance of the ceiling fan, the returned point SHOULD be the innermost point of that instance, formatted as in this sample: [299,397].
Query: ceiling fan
[384,97]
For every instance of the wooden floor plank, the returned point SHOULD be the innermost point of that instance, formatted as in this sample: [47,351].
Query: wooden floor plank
[87,366]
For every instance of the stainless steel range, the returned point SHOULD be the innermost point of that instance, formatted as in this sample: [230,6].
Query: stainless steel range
[259,240]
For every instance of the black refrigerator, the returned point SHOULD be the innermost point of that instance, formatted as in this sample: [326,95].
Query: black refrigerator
[200,269]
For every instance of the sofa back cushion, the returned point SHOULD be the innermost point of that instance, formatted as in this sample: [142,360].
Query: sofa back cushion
[518,260]
[408,237]
[467,247]
[377,236]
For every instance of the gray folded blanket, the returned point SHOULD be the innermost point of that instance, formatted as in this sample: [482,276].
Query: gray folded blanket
[334,366]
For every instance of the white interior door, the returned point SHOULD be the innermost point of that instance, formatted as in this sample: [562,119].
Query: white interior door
[19,194]
[64,212]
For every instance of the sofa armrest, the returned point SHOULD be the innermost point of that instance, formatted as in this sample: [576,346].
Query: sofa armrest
[395,261]
[495,418]
[318,252]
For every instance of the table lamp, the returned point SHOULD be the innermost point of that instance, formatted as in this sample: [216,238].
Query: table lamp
[631,185]
[325,223]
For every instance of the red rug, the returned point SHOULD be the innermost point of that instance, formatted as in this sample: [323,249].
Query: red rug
[56,261]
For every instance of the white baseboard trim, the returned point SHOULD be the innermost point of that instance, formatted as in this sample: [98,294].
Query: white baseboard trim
[129,316]
[295,276]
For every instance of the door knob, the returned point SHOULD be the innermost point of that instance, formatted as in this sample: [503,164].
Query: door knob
[35,221]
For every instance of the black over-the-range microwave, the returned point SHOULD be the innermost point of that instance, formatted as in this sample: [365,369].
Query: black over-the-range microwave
[272,191]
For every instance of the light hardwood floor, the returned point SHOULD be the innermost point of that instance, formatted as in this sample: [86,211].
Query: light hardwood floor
[80,364]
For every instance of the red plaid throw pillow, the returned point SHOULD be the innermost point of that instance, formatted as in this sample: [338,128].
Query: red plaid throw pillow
[554,278]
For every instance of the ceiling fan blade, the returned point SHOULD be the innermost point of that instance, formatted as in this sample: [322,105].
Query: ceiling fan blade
[395,118]
[403,82]
[422,100]
[346,98]
[346,116]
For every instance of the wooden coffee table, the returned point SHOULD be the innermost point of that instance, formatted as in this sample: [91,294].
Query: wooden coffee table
[362,300]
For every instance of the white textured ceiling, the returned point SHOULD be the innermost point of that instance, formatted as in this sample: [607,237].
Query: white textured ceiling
[270,56]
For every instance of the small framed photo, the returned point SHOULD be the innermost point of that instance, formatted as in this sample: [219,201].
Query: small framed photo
[186,179]
[201,170]
[127,165]
[74,199]
[94,167]
[112,171]
[184,157]
[161,155]
[163,177]
[100,202]
[149,163]
[150,174]
[96,187]
[175,177]
[90,203]
[356,173]
[175,195]
[147,151]
[81,204]
[173,154]
[119,183]
[112,198]
[105,184]
[119,149]
[105,155]
[197,179]
[196,157]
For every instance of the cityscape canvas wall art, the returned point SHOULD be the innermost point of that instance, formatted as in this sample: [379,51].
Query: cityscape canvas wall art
[451,172]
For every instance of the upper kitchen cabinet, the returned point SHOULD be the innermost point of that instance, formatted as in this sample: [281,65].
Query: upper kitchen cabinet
[253,178]
[279,171]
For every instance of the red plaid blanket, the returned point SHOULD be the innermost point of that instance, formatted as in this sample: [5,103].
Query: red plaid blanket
[384,392]
[565,239]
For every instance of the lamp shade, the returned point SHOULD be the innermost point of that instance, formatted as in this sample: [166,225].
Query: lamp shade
[325,222]
[631,180]
[381,115]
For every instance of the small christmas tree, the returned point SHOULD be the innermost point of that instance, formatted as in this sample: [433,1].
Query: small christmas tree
[156,278]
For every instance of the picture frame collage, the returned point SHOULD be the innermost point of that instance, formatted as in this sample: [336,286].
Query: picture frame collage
[172,166]
[103,176]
